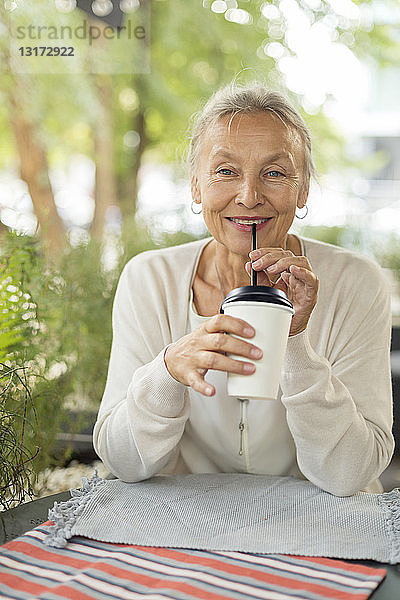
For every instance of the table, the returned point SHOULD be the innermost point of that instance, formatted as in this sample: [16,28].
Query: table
[17,521]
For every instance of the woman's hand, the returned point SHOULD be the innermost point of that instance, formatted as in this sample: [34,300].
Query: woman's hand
[293,275]
[189,358]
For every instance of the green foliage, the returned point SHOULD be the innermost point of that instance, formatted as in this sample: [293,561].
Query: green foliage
[137,237]
[17,425]
[193,52]
[17,310]
[388,250]
[33,399]
[17,432]
[346,236]
[18,440]
[323,233]
[55,337]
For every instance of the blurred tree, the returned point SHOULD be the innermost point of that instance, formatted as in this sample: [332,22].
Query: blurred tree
[185,69]
[25,124]
[33,166]
[194,50]
[105,192]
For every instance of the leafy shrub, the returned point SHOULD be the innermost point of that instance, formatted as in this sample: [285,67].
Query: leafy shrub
[55,324]
[17,417]
[15,426]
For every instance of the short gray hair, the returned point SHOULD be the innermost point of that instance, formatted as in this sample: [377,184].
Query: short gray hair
[247,99]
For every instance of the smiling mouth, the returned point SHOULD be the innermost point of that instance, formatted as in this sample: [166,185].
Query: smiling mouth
[248,221]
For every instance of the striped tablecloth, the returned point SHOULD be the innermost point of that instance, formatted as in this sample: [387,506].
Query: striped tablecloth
[87,569]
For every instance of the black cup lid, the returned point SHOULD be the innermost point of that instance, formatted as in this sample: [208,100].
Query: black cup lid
[256,293]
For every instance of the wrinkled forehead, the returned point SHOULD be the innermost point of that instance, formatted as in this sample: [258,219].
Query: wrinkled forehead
[242,132]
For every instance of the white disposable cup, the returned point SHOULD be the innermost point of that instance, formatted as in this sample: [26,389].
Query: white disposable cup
[271,323]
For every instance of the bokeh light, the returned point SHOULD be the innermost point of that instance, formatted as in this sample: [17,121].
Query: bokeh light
[102,8]
[238,15]
[129,6]
[65,6]
[219,6]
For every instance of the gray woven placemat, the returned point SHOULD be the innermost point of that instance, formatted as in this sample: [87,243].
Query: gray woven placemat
[232,512]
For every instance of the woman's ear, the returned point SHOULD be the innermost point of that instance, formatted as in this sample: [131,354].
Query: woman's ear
[303,194]
[195,189]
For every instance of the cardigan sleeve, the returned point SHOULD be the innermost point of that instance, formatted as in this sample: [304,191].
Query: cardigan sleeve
[144,409]
[339,411]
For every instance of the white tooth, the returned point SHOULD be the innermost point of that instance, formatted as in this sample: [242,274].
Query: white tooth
[244,222]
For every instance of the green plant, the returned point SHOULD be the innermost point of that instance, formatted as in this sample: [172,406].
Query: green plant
[16,457]
[388,250]
[17,439]
[31,402]
[56,333]
[324,233]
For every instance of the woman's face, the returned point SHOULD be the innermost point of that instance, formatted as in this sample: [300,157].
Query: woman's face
[250,168]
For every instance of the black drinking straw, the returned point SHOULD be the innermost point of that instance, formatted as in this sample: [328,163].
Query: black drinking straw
[253,247]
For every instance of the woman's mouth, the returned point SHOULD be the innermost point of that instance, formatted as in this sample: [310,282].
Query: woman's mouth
[244,224]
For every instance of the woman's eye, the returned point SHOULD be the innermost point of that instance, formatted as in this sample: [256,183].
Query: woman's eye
[225,171]
[274,173]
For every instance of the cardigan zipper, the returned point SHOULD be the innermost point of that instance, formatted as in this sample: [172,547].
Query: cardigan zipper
[243,428]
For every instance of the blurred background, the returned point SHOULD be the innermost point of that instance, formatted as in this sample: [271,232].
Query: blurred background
[94,134]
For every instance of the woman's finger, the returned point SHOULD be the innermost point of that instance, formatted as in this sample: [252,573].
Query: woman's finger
[269,253]
[290,281]
[304,274]
[267,278]
[198,384]
[219,342]
[269,258]
[229,324]
[284,264]
[219,362]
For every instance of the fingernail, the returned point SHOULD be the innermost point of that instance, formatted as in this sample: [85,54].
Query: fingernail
[256,353]
[248,331]
[257,263]
[208,391]
[249,368]
[272,268]
[255,253]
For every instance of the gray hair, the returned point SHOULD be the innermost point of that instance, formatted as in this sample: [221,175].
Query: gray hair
[246,99]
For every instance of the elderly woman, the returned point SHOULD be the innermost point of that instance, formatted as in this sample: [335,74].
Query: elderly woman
[165,407]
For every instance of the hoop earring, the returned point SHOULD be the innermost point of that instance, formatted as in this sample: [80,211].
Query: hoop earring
[305,214]
[193,211]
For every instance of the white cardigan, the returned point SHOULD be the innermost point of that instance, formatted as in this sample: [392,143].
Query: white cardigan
[332,423]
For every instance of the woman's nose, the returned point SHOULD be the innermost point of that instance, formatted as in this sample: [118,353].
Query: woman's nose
[249,195]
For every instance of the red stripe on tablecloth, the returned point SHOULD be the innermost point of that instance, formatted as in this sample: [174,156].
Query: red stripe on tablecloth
[25,548]
[15,582]
[155,582]
[364,569]
[282,577]
[280,562]
[128,573]
[45,553]
[69,592]
[290,579]
[355,567]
